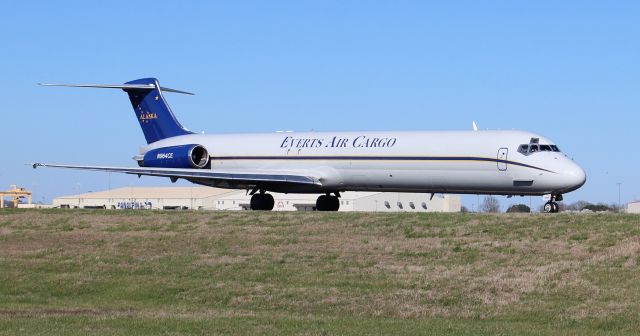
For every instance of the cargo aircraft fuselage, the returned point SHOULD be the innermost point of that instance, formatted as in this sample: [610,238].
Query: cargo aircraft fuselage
[328,163]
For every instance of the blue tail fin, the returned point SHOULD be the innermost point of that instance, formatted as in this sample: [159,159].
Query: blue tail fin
[155,117]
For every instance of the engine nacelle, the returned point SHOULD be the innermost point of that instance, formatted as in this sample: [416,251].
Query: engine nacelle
[183,156]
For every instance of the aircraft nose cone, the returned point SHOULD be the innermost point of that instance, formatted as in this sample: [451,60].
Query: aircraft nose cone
[576,176]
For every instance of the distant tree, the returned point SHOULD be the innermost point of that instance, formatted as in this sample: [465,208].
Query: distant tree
[519,208]
[616,207]
[597,207]
[562,206]
[464,209]
[572,207]
[490,204]
[582,204]
[578,206]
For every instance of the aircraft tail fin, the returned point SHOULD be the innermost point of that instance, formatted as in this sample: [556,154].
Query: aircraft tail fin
[152,111]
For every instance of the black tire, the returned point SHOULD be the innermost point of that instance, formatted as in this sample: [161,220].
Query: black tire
[327,203]
[548,207]
[264,202]
[268,202]
[255,202]
[334,203]
[321,203]
[556,207]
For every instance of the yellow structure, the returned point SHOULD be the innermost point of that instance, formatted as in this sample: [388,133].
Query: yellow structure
[16,194]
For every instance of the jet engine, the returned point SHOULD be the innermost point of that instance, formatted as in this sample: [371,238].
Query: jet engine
[183,156]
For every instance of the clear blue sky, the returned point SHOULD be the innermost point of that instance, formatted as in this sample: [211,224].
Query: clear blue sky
[566,69]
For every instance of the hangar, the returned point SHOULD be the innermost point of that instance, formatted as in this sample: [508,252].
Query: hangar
[633,207]
[206,198]
[167,198]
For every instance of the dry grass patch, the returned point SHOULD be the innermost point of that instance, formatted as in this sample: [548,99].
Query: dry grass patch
[501,269]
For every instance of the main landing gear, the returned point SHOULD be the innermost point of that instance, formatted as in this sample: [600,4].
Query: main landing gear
[265,202]
[551,206]
[328,203]
[262,201]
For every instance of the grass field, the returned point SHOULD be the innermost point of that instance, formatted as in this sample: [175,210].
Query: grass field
[116,272]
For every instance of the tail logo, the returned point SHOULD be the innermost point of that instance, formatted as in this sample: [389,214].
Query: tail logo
[145,117]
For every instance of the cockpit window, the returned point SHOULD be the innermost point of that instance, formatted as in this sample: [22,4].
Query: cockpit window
[533,148]
[524,149]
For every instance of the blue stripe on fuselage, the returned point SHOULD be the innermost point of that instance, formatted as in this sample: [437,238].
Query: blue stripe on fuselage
[381,158]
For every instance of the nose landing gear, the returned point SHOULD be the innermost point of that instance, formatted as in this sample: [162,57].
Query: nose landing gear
[552,206]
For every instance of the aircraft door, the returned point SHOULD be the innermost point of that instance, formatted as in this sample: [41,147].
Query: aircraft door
[502,158]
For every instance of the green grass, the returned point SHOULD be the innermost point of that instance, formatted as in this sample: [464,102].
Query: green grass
[142,272]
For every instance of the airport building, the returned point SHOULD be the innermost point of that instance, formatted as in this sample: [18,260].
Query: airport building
[633,207]
[205,198]
[166,198]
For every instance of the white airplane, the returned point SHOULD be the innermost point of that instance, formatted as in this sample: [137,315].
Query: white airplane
[461,162]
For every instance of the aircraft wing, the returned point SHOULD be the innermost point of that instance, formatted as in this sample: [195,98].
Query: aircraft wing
[213,178]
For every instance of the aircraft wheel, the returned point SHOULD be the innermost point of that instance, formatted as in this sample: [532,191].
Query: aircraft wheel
[263,202]
[548,207]
[269,202]
[555,206]
[321,203]
[334,203]
[327,203]
[255,202]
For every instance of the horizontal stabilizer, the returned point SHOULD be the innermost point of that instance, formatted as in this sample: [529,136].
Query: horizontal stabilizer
[119,86]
